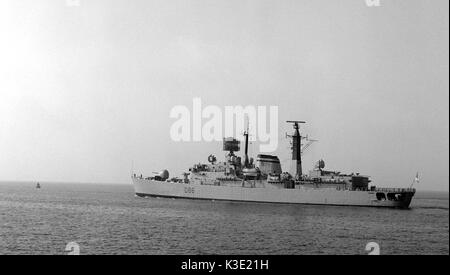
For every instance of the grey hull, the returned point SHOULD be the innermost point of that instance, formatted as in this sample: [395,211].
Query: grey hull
[319,196]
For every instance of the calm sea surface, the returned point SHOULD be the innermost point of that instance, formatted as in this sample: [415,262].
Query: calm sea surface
[109,219]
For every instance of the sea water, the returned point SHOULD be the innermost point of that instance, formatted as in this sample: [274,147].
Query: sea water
[109,219]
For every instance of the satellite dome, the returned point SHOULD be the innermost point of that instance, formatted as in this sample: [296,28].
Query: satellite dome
[164,174]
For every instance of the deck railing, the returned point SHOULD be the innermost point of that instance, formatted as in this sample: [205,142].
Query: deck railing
[396,190]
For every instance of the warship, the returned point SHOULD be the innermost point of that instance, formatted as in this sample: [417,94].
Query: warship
[243,180]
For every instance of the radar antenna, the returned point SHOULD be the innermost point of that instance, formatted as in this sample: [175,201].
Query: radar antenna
[308,144]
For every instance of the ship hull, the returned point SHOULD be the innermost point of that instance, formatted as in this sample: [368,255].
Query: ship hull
[319,196]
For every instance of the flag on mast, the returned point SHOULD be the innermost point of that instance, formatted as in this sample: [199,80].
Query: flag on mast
[416,180]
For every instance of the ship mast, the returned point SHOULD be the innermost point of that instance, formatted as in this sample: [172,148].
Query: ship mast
[296,149]
[246,161]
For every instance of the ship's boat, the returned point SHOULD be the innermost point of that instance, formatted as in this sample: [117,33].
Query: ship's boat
[250,173]
[274,178]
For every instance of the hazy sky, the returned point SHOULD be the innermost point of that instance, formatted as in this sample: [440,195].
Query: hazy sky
[85,90]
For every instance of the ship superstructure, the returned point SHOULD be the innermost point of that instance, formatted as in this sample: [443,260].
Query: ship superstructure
[242,179]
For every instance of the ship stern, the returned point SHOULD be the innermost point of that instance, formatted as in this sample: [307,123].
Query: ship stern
[393,197]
